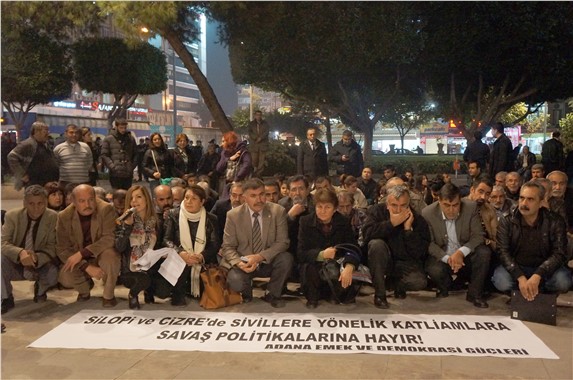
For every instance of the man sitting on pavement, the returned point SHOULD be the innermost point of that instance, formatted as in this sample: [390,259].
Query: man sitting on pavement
[397,238]
[29,246]
[85,244]
[255,244]
[532,244]
[512,185]
[457,244]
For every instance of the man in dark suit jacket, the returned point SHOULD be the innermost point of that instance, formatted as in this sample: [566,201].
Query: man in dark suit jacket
[250,253]
[457,244]
[29,246]
[502,153]
[312,158]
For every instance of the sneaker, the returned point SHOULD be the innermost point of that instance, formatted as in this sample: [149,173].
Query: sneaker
[7,304]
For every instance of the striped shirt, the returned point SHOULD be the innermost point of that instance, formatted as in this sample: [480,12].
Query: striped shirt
[74,161]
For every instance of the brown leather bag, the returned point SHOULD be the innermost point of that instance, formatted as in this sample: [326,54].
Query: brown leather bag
[216,292]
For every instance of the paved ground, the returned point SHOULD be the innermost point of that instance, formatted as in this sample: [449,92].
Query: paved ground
[29,321]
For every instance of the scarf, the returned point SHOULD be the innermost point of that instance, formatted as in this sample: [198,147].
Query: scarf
[143,237]
[187,242]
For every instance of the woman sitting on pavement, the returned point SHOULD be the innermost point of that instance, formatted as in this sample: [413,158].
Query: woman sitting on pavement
[318,235]
[193,233]
[134,236]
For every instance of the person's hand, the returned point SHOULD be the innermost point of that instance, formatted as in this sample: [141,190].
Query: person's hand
[157,175]
[329,253]
[129,220]
[529,288]
[95,272]
[397,219]
[296,210]
[245,267]
[410,221]
[28,258]
[345,277]
[235,156]
[72,261]
[345,157]
[191,258]
[456,261]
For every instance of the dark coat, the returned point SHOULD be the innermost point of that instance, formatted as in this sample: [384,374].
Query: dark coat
[164,159]
[353,166]
[477,151]
[311,240]
[501,156]
[552,156]
[312,162]
[404,245]
[245,162]
[208,163]
[172,239]
[180,168]
[554,244]
[118,153]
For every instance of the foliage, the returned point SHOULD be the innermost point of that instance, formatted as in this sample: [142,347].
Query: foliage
[240,120]
[279,159]
[176,22]
[535,123]
[423,164]
[345,59]
[566,125]
[35,70]
[481,58]
[123,70]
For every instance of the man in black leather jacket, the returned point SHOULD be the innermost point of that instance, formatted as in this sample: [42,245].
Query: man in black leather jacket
[532,243]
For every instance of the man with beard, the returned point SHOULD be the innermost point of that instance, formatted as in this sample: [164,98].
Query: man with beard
[480,191]
[502,205]
[163,198]
[222,206]
[368,186]
[272,191]
[347,155]
[532,244]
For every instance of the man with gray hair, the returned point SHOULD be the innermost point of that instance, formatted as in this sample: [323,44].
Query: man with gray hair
[500,202]
[32,162]
[416,201]
[29,246]
[398,239]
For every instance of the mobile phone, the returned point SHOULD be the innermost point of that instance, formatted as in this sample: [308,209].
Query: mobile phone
[245,259]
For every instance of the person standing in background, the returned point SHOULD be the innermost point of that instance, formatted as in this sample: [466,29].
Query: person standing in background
[258,142]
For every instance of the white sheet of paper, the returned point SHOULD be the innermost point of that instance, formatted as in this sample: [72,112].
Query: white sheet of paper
[172,267]
[150,257]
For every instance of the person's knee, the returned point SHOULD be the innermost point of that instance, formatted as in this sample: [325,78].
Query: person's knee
[562,280]
[378,249]
[236,279]
[109,258]
[414,281]
[482,254]
[283,261]
[502,280]
[67,279]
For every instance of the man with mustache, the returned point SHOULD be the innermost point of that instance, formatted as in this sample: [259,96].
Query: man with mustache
[532,244]
[222,206]
[85,244]
[255,244]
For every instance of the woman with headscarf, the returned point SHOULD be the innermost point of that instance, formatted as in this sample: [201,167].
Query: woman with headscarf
[193,233]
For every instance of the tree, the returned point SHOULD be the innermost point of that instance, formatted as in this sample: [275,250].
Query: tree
[566,125]
[175,21]
[481,58]
[35,70]
[346,60]
[408,116]
[126,71]
[35,58]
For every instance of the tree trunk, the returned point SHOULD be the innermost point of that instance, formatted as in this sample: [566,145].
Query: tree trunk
[18,117]
[200,80]
[328,128]
[368,138]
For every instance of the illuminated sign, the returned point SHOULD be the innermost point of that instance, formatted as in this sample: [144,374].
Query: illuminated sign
[64,104]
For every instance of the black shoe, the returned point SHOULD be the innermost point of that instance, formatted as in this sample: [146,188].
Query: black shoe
[148,297]
[275,302]
[442,293]
[83,297]
[399,294]
[133,302]
[178,300]
[478,302]
[293,293]
[381,303]
[7,304]
[39,298]
[247,297]
[311,304]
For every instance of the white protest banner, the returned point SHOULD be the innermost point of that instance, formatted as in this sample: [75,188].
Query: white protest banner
[397,334]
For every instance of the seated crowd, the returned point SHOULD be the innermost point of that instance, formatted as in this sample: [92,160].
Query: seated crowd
[411,232]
